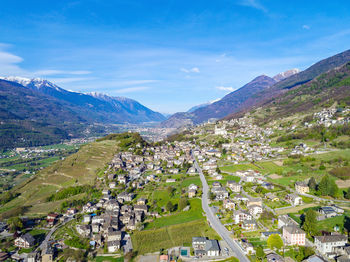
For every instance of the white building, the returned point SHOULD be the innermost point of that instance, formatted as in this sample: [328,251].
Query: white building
[326,244]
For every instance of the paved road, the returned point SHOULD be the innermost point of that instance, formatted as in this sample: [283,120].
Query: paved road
[215,222]
[48,236]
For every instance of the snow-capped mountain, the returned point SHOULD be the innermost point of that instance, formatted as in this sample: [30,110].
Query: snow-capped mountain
[33,83]
[95,106]
[284,75]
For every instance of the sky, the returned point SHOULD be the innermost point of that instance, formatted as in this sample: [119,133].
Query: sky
[169,55]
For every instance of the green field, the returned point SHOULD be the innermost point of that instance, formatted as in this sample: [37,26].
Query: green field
[177,235]
[194,213]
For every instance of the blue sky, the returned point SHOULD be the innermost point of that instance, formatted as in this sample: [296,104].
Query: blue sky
[169,55]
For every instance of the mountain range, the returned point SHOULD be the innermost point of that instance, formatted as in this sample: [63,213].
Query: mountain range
[36,111]
[257,92]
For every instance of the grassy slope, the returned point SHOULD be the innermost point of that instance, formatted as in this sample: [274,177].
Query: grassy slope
[153,240]
[77,169]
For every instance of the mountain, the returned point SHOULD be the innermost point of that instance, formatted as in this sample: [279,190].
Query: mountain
[332,87]
[221,108]
[293,81]
[286,74]
[94,106]
[30,118]
[194,108]
[38,112]
[314,70]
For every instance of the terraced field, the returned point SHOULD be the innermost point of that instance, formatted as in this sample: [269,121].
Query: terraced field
[77,169]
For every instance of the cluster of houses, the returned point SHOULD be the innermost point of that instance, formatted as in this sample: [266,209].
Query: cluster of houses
[327,117]
[119,212]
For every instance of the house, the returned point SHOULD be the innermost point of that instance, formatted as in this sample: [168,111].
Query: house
[170,180]
[192,187]
[142,201]
[51,219]
[301,187]
[240,198]
[326,244]
[114,235]
[249,224]
[198,244]
[192,170]
[229,204]
[205,247]
[112,185]
[113,246]
[84,230]
[255,210]
[234,186]
[247,247]
[220,193]
[25,241]
[294,199]
[124,196]
[272,197]
[142,208]
[239,216]
[212,248]
[327,212]
[216,184]
[95,228]
[293,235]
[86,219]
[192,193]
[273,257]
[47,254]
[283,220]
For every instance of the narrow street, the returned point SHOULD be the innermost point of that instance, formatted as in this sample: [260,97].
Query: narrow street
[215,222]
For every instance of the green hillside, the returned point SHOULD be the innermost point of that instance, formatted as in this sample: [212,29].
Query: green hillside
[78,169]
[324,91]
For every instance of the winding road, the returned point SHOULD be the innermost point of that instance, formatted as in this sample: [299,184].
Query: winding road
[215,222]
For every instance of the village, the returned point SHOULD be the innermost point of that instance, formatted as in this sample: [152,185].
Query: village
[255,210]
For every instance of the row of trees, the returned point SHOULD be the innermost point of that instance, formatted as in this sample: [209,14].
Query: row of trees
[326,187]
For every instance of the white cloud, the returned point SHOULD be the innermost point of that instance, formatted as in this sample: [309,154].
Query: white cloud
[64,80]
[132,89]
[225,88]
[47,72]
[253,4]
[306,27]
[192,70]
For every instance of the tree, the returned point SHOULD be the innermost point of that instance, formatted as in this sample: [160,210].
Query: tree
[309,224]
[182,203]
[170,190]
[170,206]
[327,187]
[275,242]
[15,223]
[347,224]
[347,193]
[322,187]
[260,254]
[211,196]
[312,183]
